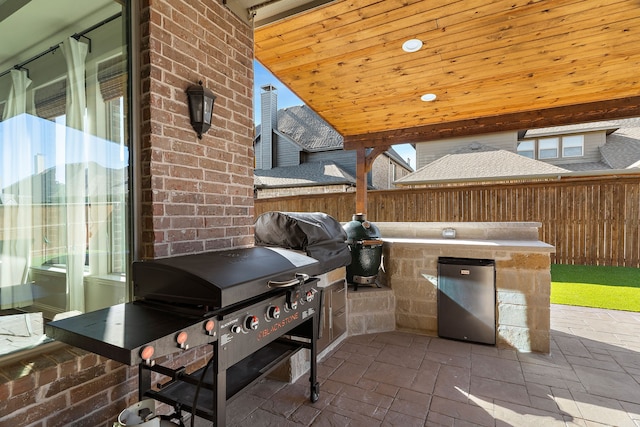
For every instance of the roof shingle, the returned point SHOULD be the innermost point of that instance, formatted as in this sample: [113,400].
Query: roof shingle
[480,164]
[308,129]
[306,174]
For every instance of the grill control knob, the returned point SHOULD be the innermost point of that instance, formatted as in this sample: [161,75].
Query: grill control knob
[273,312]
[181,339]
[293,305]
[292,299]
[251,322]
[209,327]
[309,295]
[146,354]
[236,329]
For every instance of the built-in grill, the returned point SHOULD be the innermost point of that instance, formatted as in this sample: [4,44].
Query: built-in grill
[254,306]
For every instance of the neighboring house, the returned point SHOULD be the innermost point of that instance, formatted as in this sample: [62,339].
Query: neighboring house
[297,152]
[482,163]
[314,177]
[534,153]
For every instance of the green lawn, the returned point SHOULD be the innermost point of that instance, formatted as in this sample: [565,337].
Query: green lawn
[616,288]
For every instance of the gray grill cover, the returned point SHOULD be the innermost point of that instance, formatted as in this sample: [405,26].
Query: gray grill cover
[316,233]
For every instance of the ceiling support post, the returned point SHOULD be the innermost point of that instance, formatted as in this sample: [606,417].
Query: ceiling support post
[364,162]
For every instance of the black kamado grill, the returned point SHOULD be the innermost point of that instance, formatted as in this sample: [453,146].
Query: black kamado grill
[254,306]
[365,243]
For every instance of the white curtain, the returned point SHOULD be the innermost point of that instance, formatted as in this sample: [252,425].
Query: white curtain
[75,171]
[16,186]
[17,101]
[100,192]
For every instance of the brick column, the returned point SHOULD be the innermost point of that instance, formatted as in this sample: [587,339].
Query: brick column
[197,195]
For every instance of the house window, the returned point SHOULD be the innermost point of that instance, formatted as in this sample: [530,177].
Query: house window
[548,148]
[573,146]
[527,149]
[64,187]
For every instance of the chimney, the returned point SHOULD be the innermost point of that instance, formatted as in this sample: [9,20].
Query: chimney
[265,157]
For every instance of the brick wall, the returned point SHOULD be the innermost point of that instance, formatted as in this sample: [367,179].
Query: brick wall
[197,195]
[385,171]
[72,387]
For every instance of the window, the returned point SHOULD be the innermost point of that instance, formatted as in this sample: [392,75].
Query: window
[547,148]
[573,146]
[64,168]
[527,149]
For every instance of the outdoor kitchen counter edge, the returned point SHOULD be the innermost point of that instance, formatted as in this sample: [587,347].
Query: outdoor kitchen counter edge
[518,245]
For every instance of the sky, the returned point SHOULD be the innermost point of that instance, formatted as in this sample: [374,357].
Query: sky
[286,98]
[45,144]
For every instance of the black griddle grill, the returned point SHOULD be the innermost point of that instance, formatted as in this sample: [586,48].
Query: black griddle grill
[254,306]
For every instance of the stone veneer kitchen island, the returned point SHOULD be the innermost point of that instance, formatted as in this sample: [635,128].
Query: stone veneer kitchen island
[523,276]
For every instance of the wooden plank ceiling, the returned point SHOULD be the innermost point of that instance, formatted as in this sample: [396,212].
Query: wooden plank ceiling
[493,65]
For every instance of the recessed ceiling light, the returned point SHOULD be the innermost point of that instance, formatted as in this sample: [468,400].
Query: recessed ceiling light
[412,45]
[428,97]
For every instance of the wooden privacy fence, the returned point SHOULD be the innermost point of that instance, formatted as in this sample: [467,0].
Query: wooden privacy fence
[589,220]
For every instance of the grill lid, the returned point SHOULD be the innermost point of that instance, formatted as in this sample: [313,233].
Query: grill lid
[217,279]
[320,235]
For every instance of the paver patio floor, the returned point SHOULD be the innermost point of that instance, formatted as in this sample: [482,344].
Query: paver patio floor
[590,378]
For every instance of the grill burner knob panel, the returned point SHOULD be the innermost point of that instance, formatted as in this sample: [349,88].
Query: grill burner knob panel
[273,312]
[251,322]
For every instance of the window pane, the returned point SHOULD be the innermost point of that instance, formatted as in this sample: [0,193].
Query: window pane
[548,148]
[526,149]
[63,168]
[572,152]
[573,146]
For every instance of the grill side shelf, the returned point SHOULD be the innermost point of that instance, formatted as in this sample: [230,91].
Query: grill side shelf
[120,331]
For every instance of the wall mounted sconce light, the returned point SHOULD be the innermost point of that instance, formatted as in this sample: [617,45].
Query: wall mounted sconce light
[201,102]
